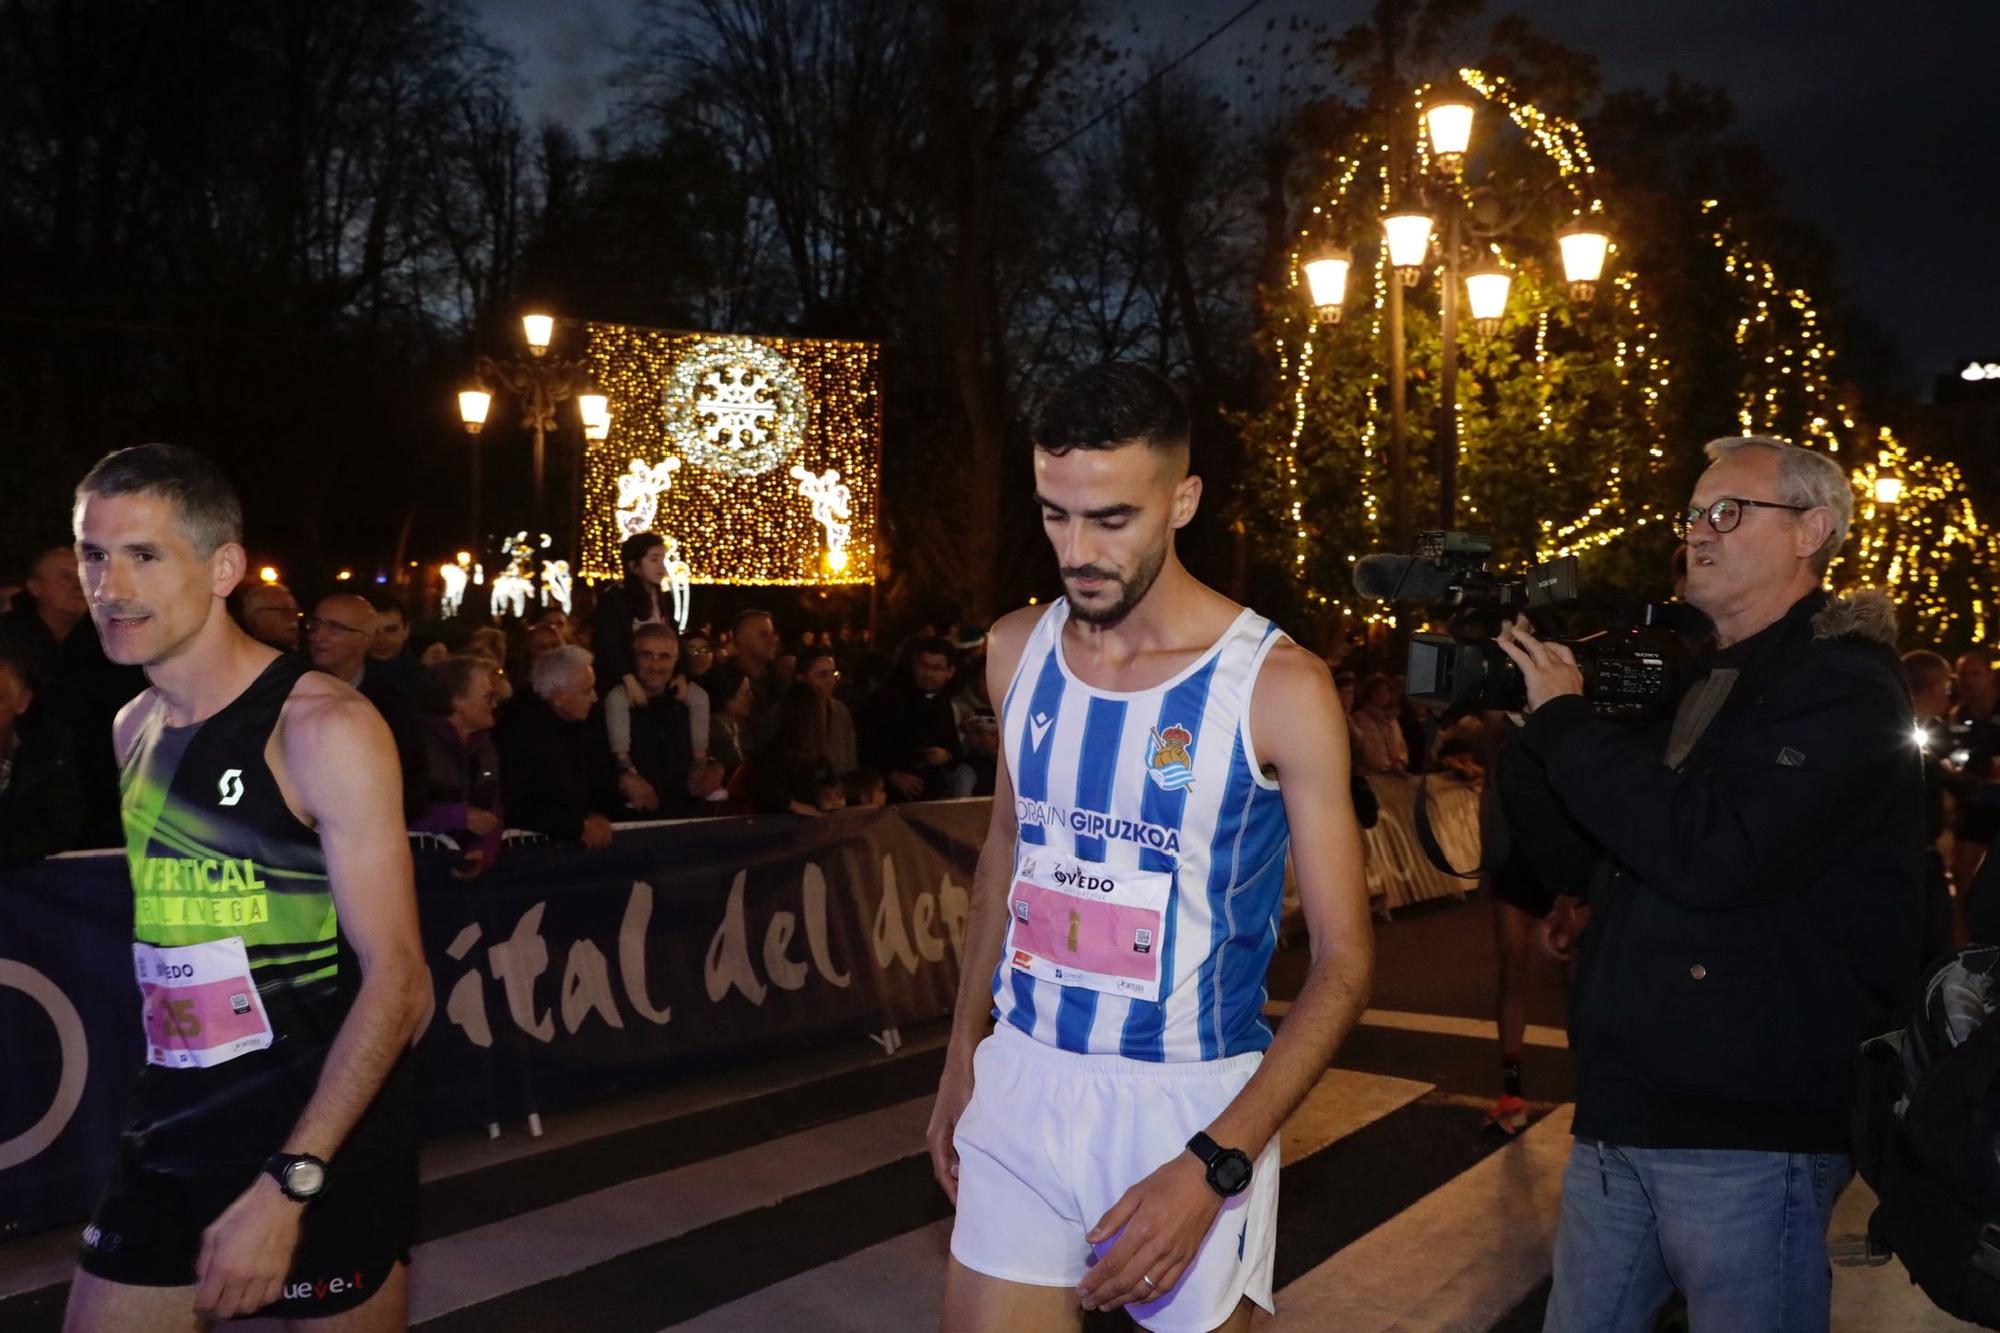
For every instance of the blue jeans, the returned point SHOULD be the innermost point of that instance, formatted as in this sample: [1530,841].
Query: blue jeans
[1741,1234]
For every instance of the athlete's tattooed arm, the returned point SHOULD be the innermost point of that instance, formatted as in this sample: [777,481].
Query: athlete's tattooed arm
[336,763]
[1297,728]
[985,919]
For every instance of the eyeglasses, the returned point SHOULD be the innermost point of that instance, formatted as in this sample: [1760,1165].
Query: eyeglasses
[321,622]
[1723,515]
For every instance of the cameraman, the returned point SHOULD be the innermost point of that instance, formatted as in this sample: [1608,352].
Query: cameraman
[1756,912]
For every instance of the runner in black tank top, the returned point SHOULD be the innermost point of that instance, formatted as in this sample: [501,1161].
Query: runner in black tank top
[270,1163]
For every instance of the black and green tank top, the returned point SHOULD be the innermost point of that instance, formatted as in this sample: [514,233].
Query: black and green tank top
[214,850]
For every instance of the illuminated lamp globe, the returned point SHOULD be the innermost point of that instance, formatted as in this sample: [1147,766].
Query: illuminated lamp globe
[1326,280]
[1408,231]
[1888,489]
[1486,292]
[538,329]
[1448,120]
[268,574]
[1584,246]
[595,409]
[473,405]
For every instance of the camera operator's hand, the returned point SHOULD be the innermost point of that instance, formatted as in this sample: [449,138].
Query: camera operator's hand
[1549,669]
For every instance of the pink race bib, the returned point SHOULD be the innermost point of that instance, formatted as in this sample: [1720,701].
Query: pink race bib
[200,1006]
[1079,923]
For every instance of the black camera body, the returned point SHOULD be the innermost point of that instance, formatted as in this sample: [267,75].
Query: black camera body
[1631,654]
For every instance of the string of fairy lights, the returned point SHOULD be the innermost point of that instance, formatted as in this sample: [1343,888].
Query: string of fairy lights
[757,457]
[1641,367]
[1917,534]
[1927,542]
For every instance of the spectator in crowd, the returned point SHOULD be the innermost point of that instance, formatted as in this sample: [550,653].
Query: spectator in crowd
[557,619]
[461,795]
[78,689]
[731,700]
[1345,684]
[820,669]
[864,789]
[490,642]
[41,808]
[52,608]
[271,615]
[699,655]
[634,601]
[910,733]
[555,760]
[1376,728]
[1929,678]
[540,637]
[978,756]
[792,770]
[389,655]
[1975,746]
[971,698]
[1756,910]
[339,635]
[755,635]
[653,735]
[433,652]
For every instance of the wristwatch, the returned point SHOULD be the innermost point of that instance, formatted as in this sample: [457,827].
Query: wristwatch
[1228,1168]
[300,1175]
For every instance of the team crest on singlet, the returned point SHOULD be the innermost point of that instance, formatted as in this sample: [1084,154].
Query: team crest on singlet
[1171,766]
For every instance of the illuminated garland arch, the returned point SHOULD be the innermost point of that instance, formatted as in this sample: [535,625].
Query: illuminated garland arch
[1789,365]
[1637,355]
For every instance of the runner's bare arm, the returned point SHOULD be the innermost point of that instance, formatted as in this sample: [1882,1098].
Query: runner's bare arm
[1297,728]
[336,763]
[985,918]
[341,771]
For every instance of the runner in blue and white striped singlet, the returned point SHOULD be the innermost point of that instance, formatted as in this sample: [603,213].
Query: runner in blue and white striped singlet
[1163,786]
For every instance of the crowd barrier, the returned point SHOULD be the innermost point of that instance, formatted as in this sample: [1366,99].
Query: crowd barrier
[563,976]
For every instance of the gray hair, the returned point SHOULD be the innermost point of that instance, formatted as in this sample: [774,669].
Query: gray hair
[1808,477]
[553,669]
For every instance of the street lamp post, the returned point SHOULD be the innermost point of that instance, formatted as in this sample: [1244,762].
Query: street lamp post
[1407,232]
[542,382]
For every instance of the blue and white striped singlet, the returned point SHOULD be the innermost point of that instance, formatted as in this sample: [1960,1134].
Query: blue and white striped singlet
[1150,860]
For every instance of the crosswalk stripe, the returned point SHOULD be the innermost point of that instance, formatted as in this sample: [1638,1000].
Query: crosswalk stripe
[900,1282]
[1441,1025]
[489,1261]
[1456,1259]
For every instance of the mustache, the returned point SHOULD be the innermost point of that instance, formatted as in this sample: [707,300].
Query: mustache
[1091,572]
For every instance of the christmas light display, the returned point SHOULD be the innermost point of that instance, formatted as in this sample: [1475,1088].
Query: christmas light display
[718,422]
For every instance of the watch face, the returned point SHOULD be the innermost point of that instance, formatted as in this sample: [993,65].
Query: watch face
[1231,1172]
[305,1177]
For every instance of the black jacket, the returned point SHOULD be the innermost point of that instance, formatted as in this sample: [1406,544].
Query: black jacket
[1757,909]
[902,722]
[554,772]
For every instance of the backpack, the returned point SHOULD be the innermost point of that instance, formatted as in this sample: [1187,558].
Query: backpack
[1927,1137]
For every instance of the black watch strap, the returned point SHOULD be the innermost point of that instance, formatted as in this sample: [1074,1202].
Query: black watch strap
[301,1176]
[1228,1168]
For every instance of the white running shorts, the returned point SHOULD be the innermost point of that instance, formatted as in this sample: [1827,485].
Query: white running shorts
[1051,1140]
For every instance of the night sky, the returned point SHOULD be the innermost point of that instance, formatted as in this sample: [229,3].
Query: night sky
[1882,117]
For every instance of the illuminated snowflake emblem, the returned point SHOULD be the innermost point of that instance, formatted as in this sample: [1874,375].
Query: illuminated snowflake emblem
[735,405]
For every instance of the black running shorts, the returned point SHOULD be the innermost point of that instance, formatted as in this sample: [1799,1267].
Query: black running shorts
[147,1231]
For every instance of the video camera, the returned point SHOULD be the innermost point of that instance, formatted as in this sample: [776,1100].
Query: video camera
[1631,653]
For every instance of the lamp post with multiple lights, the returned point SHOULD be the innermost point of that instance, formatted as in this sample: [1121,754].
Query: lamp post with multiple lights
[1410,229]
[542,382]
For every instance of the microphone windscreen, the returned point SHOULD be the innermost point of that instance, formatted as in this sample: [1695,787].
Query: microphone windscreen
[1400,578]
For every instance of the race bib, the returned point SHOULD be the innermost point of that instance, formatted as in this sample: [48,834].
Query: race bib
[201,1007]
[1078,923]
